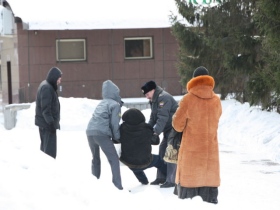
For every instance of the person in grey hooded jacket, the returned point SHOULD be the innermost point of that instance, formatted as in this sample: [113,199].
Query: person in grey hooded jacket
[47,113]
[103,129]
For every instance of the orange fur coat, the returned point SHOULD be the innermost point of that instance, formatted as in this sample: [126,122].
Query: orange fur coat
[198,116]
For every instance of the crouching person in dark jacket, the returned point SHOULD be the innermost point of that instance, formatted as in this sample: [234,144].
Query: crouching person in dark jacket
[47,114]
[136,140]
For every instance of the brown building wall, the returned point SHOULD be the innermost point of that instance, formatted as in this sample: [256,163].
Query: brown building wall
[9,70]
[105,60]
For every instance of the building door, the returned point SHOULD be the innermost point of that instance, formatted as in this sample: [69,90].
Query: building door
[0,79]
[0,88]
[9,74]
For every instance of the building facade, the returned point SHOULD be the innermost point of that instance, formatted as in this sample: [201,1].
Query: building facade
[128,57]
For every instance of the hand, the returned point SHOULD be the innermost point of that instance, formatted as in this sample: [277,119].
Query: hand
[155,139]
[52,128]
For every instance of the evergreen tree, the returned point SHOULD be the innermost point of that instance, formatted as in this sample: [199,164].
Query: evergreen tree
[222,38]
[265,82]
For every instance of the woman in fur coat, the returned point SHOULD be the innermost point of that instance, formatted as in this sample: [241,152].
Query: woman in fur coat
[198,114]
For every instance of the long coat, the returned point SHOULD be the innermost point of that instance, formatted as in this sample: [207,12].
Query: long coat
[198,117]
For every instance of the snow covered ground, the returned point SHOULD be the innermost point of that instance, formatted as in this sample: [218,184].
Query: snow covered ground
[30,180]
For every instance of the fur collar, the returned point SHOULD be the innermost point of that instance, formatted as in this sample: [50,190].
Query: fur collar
[200,81]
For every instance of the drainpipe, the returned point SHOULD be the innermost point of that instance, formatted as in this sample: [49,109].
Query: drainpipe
[112,44]
[59,61]
[164,83]
[28,53]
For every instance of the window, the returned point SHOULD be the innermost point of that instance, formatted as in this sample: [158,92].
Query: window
[71,50]
[138,48]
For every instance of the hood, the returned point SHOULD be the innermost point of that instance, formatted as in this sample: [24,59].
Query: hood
[201,86]
[53,75]
[133,116]
[111,91]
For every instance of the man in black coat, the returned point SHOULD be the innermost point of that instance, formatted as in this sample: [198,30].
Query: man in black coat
[163,106]
[47,114]
[136,139]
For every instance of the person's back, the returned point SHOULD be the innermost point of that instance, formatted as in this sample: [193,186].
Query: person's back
[106,117]
[136,145]
[198,169]
[135,140]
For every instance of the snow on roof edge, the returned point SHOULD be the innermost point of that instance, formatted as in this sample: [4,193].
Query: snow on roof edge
[61,25]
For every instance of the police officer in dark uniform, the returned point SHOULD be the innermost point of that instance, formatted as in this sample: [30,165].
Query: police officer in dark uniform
[163,106]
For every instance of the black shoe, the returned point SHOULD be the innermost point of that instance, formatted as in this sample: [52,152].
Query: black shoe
[158,181]
[145,183]
[215,201]
[167,185]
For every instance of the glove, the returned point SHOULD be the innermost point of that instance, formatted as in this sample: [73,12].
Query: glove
[155,139]
[116,141]
[52,128]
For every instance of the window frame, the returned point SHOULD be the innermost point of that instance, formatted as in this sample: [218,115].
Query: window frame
[83,58]
[139,57]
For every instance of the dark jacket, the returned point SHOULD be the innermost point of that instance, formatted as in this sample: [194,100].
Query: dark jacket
[163,106]
[47,104]
[136,135]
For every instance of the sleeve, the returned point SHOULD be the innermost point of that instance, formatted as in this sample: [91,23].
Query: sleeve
[46,104]
[180,117]
[121,133]
[151,122]
[164,107]
[115,121]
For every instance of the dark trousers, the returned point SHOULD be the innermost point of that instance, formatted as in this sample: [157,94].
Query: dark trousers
[171,168]
[48,142]
[156,162]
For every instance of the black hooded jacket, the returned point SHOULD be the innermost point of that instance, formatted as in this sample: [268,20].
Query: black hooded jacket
[136,135]
[47,104]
